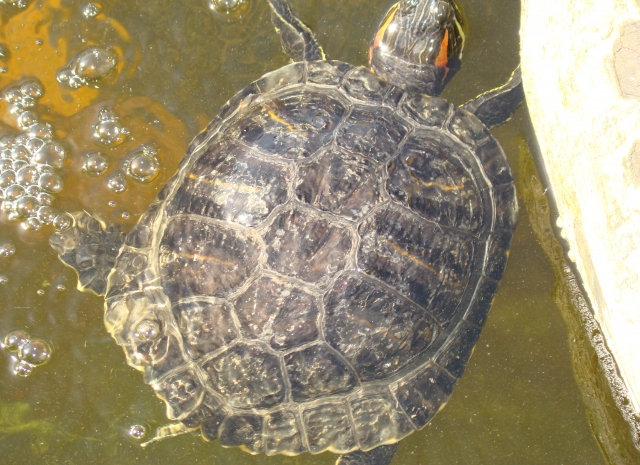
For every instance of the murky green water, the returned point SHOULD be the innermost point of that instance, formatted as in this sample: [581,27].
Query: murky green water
[517,402]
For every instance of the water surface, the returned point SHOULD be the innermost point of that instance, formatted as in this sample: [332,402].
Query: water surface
[178,63]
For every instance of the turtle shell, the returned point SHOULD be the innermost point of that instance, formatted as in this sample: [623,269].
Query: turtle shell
[316,274]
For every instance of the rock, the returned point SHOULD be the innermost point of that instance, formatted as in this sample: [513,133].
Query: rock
[581,72]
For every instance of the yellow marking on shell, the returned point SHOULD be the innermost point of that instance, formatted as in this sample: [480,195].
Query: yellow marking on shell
[280,120]
[444,187]
[406,254]
[197,256]
[220,183]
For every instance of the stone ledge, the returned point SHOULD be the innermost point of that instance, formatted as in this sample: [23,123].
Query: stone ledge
[582,84]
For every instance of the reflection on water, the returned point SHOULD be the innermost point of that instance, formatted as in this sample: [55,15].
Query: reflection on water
[125,86]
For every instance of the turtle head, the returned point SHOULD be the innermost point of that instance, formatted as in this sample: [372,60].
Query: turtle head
[419,45]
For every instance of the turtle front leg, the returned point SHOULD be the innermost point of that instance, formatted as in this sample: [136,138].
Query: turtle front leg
[297,39]
[90,247]
[381,455]
[496,106]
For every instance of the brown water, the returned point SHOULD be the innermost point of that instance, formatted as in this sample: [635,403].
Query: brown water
[517,403]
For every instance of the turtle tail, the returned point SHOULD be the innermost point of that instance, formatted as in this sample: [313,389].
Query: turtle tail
[90,247]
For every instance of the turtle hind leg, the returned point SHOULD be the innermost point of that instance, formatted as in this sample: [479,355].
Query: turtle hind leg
[297,39]
[497,106]
[381,455]
[89,247]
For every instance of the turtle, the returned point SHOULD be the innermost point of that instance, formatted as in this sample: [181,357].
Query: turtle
[316,274]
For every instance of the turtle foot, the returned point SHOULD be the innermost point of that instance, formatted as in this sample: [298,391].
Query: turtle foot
[90,247]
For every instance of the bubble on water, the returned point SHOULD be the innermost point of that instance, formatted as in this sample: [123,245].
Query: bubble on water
[90,67]
[147,330]
[95,163]
[91,10]
[29,161]
[51,153]
[3,279]
[41,130]
[8,140]
[35,352]
[39,42]
[65,76]
[15,339]
[33,191]
[116,182]
[45,198]
[95,63]
[33,223]
[13,192]
[62,222]
[27,119]
[7,249]
[27,102]
[50,182]
[142,165]
[229,9]
[23,369]
[24,96]
[34,144]
[19,164]
[13,95]
[32,88]
[137,432]
[109,131]
[112,203]
[126,215]
[27,176]
[40,292]
[7,178]
[19,152]
[61,287]
[47,214]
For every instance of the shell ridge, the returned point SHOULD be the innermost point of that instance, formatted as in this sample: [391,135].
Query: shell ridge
[401,409]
